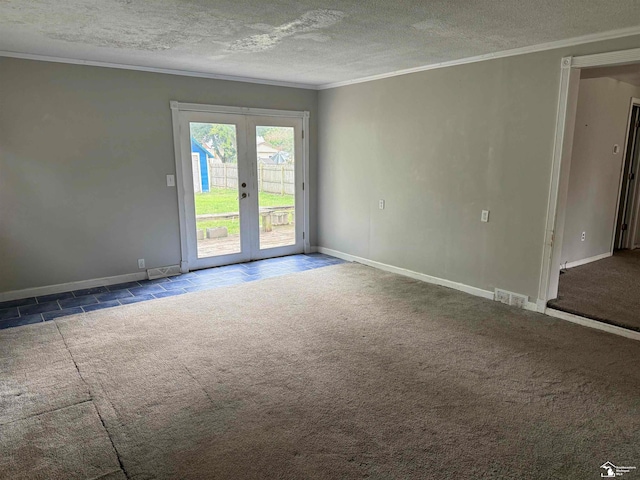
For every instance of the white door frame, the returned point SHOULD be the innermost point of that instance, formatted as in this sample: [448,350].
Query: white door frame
[177,107]
[561,164]
[296,125]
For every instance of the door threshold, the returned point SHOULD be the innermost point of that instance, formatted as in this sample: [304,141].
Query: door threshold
[588,322]
[246,262]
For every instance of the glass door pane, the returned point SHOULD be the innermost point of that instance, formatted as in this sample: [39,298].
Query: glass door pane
[275,149]
[214,159]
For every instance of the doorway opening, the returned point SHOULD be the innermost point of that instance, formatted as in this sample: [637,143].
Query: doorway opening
[627,218]
[241,183]
[590,264]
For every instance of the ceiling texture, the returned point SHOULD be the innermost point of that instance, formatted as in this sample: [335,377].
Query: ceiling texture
[310,42]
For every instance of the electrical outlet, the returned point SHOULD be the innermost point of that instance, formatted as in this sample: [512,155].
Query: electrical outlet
[583,237]
[381,204]
[501,296]
[141,263]
[485,216]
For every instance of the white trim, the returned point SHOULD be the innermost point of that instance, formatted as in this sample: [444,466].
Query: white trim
[256,112]
[250,247]
[478,292]
[620,57]
[552,236]
[596,37]
[67,287]
[166,71]
[306,177]
[587,322]
[565,122]
[539,307]
[532,307]
[184,249]
[569,42]
[584,261]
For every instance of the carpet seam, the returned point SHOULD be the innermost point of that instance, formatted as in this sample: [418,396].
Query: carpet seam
[104,425]
[45,412]
[199,384]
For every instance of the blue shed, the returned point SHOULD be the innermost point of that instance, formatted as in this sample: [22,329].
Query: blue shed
[196,147]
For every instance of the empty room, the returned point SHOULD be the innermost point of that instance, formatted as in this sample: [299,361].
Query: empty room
[291,240]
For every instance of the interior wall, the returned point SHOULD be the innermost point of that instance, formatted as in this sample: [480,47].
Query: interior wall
[439,146]
[84,152]
[594,178]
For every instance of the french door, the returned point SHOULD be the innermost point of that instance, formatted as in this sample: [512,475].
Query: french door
[241,180]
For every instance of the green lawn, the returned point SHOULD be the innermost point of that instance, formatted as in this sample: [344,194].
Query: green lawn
[225,200]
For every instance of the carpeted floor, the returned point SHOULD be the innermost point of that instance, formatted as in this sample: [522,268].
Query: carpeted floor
[607,290]
[340,372]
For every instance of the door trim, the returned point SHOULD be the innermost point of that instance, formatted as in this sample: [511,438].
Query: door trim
[561,161]
[178,107]
[632,201]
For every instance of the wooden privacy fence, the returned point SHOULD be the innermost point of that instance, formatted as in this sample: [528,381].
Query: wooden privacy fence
[278,179]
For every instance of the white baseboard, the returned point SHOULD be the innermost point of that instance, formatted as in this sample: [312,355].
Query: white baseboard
[540,306]
[587,322]
[532,307]
[584,261]
[478,292]
[66,287]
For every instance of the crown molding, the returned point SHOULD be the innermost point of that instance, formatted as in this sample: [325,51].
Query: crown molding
[167,71]
[569,42]
[595,37]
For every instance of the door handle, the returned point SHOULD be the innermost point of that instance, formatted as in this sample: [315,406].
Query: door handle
[244,195]
[244,185]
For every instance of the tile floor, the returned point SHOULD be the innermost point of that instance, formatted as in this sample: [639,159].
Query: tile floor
[25,311]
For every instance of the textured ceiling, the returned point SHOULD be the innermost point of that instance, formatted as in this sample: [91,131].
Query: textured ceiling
[303,41]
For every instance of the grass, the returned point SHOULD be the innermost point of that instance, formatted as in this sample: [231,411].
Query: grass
[225,200]
[233,226]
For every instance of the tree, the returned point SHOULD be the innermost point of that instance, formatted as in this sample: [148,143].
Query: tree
[279,137]
[220,137]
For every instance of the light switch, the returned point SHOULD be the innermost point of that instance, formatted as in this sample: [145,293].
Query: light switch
[485,216]
[171,180]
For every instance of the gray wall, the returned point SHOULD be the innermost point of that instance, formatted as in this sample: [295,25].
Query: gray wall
[83,156]
[594,179]
[459,140]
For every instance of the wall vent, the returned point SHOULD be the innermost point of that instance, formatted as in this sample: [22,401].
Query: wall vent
[510,298]
[160,272]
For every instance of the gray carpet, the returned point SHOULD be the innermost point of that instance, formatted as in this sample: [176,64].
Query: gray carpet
[607,290]
[339,372]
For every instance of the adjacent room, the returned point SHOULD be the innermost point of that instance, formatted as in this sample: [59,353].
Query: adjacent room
[600,276]
[246,240]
